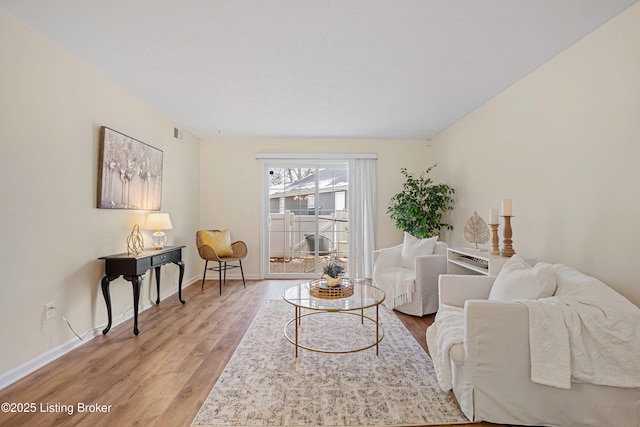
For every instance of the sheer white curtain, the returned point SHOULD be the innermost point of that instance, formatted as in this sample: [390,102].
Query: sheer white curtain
[362,216]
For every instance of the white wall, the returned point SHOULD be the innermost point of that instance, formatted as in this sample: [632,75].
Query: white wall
[230,188]
[564,144]
[51,110]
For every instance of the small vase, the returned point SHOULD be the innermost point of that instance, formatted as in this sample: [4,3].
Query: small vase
[333,282]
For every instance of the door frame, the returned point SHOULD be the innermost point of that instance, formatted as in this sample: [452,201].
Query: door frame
[277,160]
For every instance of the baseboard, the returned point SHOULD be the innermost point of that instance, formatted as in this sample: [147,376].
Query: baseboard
[41,360]
[19,372]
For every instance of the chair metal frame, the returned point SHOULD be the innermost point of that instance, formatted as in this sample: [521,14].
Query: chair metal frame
[209,254]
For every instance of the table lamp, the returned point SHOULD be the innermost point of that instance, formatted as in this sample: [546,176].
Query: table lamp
[158,222]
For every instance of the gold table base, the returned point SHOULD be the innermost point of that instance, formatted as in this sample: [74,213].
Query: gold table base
[298,317]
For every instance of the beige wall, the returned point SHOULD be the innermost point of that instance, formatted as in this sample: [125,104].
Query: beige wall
[564,144]
[51,110]
[230,188]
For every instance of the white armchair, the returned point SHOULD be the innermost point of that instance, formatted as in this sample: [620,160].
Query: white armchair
[489,366]
[394,275]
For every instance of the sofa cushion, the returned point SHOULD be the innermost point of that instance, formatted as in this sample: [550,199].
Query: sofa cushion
[413,247]
[518,280]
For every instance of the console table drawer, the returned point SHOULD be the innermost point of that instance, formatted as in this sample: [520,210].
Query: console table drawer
[165,258]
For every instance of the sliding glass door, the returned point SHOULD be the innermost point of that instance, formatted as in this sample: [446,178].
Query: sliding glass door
[305,216]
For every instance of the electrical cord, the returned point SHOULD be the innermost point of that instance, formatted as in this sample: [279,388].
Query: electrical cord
[124,318]
[97,328]
[81,338]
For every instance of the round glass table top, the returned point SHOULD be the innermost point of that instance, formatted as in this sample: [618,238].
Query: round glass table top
[364,296]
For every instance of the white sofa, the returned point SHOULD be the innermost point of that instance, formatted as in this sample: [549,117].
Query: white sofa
[387,268]
[491,370]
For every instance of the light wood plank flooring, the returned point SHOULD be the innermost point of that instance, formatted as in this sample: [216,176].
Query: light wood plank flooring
[162,376]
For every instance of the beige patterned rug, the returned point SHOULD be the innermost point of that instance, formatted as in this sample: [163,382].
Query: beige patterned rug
[264,384]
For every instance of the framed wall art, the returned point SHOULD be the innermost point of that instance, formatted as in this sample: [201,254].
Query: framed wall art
[129,173]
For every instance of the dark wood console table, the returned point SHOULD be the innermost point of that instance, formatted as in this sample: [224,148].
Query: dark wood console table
[132,268]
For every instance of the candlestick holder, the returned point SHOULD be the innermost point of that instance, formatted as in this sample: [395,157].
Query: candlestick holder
[507,249]
[495,249]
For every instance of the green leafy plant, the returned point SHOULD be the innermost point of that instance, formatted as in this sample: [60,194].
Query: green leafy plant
[419,207]
[333,269]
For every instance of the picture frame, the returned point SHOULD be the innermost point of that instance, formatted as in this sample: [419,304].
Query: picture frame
[129,173]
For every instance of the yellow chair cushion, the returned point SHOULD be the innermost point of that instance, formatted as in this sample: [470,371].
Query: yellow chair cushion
[220,241]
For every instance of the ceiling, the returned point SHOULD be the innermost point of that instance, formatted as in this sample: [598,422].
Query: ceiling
[389,69]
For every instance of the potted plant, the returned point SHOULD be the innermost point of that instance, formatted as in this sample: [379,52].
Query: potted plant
[419,207]
[333,272]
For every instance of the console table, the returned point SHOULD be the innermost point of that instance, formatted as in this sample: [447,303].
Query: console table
[132,268]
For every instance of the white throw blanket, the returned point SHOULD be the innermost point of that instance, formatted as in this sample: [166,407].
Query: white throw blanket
[585,333]
[446,331]
[398,284]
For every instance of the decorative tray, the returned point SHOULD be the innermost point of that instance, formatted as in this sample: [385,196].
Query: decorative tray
[318,288]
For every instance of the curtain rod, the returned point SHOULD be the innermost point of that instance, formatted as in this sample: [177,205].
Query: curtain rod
[312,156]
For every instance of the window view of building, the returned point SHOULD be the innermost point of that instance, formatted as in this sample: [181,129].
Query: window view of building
[308,218]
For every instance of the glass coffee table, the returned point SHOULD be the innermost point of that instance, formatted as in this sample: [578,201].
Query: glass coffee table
[351,298]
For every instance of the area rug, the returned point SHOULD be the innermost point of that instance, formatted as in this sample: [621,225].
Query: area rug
[264,384]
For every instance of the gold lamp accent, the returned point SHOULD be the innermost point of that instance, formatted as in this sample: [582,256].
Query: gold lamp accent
[158,221]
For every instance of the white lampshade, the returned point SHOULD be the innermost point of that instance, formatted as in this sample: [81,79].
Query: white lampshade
[158,221]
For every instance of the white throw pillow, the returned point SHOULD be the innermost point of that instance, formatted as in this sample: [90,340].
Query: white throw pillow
[413,247]
[518,280]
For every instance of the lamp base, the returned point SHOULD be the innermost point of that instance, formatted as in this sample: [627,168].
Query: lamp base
[159,240]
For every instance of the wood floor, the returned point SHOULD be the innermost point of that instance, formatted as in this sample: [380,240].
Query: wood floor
[160,377]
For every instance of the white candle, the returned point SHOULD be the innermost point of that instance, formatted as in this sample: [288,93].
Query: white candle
[493,216]
[506,208]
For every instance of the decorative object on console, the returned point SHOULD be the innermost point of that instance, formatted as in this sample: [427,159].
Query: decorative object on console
[158,222]
[419,207]
[333,272]
[507,214]
[476,230]
[493,216]
[135,241]
[493,223]
[507,249]
[495,240]
[129,173]
[507,207]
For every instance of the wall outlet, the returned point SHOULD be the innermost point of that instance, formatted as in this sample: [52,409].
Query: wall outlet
[50,310]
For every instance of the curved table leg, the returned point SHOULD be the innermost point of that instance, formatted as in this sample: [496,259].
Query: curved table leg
[180,264]
[158,285]
[107,299]
[135,281]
